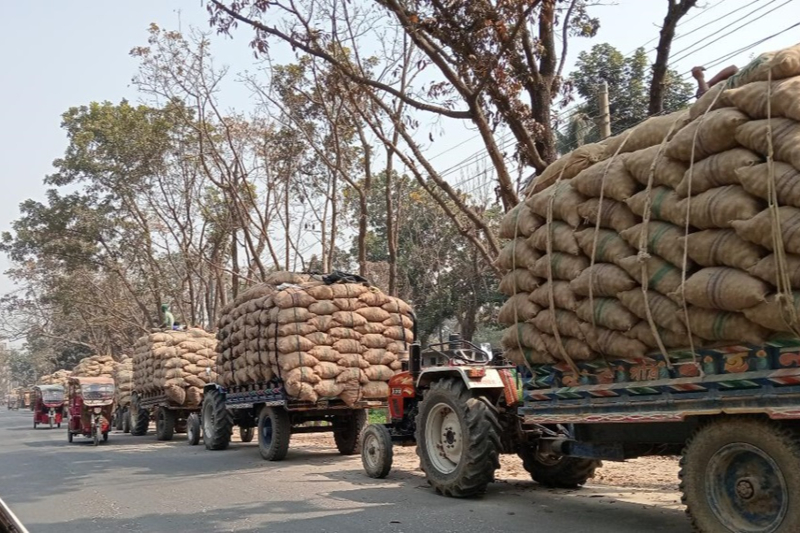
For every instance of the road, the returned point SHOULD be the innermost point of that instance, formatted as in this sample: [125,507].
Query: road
[136,484]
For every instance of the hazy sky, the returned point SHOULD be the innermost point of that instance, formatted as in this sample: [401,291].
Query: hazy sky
[55,55]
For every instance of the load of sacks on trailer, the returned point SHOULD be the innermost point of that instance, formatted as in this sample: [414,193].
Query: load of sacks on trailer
[680,232]
[327,340]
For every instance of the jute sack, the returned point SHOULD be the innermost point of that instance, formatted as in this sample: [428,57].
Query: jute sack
[663,238]
[711,134]
[290,298]
[651,132]
[724,288]
[518,280]
[773,315]
[608,247]
[664,205]
[785,138]
[602,279]
[522,335]
[518,308]
[668,172]
[610,342]
[663,310]
[563,296]
[767,270]
[576,349]
[716,171]
[613,215]
[606,312]
[710,101]
[517,253]
[713,325]
[560,235]
[568,166]
[328,388]
[644,334]
[375,389]
[565,203]
[717,208]
[562,266]
[609,177]
[759,229]
[519,222]
[566,322]
[528,357]
[755,180]
[783,64]
[661,275]
[752,99]
[723,247]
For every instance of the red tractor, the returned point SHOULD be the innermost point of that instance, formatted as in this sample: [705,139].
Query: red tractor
[457,403]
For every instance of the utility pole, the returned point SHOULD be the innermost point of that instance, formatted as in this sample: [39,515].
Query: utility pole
[604,120]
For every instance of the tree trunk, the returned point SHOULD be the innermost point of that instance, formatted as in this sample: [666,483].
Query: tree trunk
[675,12]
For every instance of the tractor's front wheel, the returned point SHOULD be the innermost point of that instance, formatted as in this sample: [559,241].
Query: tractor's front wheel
[376,451]
[458,439]
[558,471]
[217,421]
[193,429]
[140,418]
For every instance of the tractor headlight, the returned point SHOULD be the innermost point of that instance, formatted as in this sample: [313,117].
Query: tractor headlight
[98,410]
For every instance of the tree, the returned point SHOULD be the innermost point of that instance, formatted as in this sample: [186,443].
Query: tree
[660,81]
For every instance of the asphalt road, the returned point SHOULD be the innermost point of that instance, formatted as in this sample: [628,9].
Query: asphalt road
[137,484]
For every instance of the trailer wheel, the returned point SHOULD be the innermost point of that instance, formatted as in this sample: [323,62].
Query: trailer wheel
[126,421]
[458,439]
[118,420]
[140,418]
[347,431]
[246,433]
[69,436]
[165,423]
[193,429]
[740,474]
[274,433]
[376,451]
[217,421]
[558,471]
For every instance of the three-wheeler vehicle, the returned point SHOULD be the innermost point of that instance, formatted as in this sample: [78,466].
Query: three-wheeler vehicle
[48,401]
[91,404]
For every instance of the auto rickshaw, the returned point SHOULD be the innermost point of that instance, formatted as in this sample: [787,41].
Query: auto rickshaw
[91,403]
[48,405]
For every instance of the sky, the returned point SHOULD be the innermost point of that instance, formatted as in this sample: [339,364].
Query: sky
[56,55]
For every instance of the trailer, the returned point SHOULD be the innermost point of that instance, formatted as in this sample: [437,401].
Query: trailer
[264,409]
[169,417]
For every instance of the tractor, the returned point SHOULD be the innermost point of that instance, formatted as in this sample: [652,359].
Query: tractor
[457,402]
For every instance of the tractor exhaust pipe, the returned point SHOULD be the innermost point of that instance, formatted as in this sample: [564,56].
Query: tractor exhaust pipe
[415,360]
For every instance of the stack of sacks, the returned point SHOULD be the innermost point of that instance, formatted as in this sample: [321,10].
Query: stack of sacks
[95,366]
[175,363]
[342,340]
[671,223]
[59,377]
[123,381]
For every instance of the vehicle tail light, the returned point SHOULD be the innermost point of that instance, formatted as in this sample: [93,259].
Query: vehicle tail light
[476,373]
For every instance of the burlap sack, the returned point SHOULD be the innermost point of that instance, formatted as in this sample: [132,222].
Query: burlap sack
[568,166]
[667,171]
[371,327]
[568,323]
[759,229]
[711,134]
[379,373]
[287,316]
[777,316]
[352,360]
[560,235]
[608,247]
[293,343]
[717,208]
[785,138]
[661,275]
[783,64]
[395,333]
[325,353]
[517,253]
[576,349]
[521,335]
[613,215]
[663,311]
[516,281]
[321,337]
[377,341]
[752,99]
[323,307]
[644,334]
[398,320]
[290,361]
[518,308]
[519,222]
[602,279]
[665,205]
[723,247]
[563,296]
[344,333]
[609,177]
[328,388]
[755,180]
[349,319]
[614,343]
[560,266]
[767,269]
[710,101]
[565,203]
[350,346]
[290,298]
[606,312]
[649,133]
[528,357]
[375,389]
[725,288]
[663,238]
[713,325]
[374,314]
[716,171]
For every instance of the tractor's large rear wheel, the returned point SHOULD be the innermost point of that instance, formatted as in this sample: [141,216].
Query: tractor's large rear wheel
[558,471]
[347,431]
[140,418]
[458,439]
[217,421]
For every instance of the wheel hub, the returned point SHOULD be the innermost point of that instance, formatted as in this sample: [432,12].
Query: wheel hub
[745,489]
[444,438]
